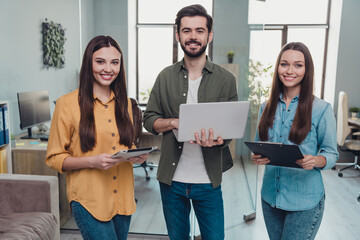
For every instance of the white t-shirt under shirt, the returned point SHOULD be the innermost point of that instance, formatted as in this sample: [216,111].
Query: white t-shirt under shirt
[191,166]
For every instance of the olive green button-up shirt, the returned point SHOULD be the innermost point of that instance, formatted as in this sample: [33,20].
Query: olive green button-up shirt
[169,91]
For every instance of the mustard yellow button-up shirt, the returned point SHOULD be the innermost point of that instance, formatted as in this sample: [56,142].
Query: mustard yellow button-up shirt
[104,193]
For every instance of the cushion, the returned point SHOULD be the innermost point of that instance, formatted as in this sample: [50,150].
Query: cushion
[31,225]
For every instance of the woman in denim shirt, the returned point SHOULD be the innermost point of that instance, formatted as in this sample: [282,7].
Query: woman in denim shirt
[293,199]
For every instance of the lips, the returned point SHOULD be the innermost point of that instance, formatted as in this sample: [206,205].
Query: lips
[287,78]
[106,76]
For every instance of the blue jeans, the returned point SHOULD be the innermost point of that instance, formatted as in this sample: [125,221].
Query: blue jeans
[208,207]
[92,229]
[293,225]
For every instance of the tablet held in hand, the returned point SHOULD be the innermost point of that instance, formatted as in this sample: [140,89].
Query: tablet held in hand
[133,152]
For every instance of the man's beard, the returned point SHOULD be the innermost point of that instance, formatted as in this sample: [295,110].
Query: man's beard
[190,54]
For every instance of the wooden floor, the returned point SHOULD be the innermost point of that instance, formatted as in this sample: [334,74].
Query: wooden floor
[340,222]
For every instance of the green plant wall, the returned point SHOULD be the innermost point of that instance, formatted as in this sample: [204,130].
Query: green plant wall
[53,44]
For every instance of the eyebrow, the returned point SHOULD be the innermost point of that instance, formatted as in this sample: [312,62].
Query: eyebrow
[187,28]
[115,59]
[283,60]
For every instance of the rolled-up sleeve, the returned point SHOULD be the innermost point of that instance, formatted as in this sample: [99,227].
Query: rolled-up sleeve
[60,136]
[153,109]
[327,138]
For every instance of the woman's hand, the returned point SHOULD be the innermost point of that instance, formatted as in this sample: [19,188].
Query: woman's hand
[309,162]
[139,159]
[259,160]
[104,161]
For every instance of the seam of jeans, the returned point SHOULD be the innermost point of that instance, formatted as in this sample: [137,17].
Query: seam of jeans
[316,218]
[81,228]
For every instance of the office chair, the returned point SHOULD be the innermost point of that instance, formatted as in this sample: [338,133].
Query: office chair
[137,118]
[343,131]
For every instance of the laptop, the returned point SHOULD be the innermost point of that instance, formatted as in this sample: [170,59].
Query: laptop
[227,119]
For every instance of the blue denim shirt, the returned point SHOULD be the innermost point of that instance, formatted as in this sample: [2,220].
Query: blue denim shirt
[294,189]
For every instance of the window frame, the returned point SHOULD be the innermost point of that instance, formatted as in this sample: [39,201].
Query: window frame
[175,44]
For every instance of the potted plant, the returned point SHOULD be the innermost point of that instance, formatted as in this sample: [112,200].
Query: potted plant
[354,111]
[230,56]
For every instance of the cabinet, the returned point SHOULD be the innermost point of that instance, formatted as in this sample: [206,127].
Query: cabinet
[5,149]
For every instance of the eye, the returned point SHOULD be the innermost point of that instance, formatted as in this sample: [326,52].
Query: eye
[283,64]
[115,62]
[100,61]
[299,65]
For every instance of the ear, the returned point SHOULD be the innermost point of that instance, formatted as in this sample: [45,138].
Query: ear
[177,36]
[210,36]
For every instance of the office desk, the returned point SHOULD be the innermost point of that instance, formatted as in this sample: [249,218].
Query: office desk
[28,157]
[354,121]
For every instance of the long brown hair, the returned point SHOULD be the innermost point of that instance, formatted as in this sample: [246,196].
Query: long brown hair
[302,120]
[86,97]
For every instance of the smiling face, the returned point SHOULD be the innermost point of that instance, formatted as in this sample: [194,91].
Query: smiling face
[193,36]
[106,65]
[291,70]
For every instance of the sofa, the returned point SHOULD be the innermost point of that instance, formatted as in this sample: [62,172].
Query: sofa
[29,207]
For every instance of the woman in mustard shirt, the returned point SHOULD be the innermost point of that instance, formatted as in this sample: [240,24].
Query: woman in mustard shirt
[88,126]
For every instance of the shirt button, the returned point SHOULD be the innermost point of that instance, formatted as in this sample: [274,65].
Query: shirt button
[173,164]
[115,191]
[184,94]
[280,136]
[106,106]
[276,190]
[288,110]
[113,134]
[179,147]
[113,147]
[277,178]
[185,76]
[109,120]
[114,177]
[282,122]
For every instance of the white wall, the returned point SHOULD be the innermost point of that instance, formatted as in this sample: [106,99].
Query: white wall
[348,77]
[21,67]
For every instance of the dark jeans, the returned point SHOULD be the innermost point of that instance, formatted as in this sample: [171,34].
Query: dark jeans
[292,225]
[208,207]
[92,229]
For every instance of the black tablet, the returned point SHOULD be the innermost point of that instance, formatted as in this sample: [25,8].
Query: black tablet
[133,152]
[279,154]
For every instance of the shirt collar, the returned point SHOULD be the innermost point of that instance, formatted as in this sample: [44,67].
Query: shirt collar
[295,99]
[209,66]
[112,96]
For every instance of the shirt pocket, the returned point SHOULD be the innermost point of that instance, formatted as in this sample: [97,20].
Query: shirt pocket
[311,137]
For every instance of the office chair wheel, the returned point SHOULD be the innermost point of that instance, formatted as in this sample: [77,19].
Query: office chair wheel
[147,178]
[340,174]
[151,168]
[358,198]
[333,168]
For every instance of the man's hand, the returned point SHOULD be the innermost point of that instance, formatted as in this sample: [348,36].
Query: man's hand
[165,124]
[210,142]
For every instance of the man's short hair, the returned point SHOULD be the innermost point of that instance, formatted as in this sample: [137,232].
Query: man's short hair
[192,11]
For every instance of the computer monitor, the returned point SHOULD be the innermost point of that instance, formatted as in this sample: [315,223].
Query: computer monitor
[34,109]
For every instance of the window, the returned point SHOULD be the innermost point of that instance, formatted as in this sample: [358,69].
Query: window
[156,42]
[283,21]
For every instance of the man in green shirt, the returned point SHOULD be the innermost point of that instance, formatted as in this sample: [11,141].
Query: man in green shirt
[191,170]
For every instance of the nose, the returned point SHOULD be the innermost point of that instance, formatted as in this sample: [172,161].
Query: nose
[289,69]
[107,67]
